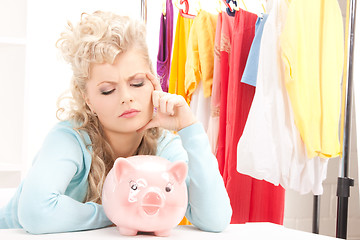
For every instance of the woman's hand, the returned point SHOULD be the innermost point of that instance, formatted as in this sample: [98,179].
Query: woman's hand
[171,111]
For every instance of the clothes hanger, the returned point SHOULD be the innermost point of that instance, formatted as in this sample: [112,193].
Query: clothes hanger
[230,9]
[262,5]
[164,7]
[246,9]
[219,5]
[183,13]
[227,5]
[235,5]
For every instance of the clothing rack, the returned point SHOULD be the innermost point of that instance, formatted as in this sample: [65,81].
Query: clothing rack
[144,10]
[344,182]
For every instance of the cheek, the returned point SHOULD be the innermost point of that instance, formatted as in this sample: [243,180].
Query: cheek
[103,106]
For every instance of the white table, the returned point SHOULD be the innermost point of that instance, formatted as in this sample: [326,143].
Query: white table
[234,231]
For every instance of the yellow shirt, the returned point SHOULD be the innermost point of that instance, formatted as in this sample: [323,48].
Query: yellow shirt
[312,45]
[177,70]
[200,54]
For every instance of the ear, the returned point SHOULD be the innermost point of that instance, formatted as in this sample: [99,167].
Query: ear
[86,99]
[122,167]
[179,170]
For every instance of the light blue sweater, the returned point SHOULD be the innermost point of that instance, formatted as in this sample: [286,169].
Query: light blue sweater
[50,197]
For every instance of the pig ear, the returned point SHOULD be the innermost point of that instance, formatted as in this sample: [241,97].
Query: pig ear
[122,166]
[178,170]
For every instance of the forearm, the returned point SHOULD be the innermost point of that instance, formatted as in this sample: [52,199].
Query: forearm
[60,213]
[210,208]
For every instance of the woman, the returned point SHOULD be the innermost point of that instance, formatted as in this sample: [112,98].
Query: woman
[116,109]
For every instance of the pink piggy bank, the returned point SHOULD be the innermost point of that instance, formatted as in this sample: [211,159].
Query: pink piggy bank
[146,194]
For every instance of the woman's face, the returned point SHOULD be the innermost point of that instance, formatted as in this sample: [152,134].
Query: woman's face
[120,94]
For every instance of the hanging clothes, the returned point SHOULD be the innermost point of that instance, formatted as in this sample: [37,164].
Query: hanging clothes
[270,147]
[199,66]
[225,49]
[242,37]
[165,46]
[177,70]
[247,195]
[313,72]
[200,54]
[214,121]
[251,69]
[200,106]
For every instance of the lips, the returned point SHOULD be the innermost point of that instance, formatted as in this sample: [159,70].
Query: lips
[129,113]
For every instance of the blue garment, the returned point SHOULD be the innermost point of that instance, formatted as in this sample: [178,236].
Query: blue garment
[251,69]
[50,197]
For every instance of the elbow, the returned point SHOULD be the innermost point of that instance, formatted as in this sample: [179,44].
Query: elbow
[32,220]
[215,226]
[216,221]
[221,223]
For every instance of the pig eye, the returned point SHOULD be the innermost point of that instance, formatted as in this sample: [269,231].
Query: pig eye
[168,187]
[133,185]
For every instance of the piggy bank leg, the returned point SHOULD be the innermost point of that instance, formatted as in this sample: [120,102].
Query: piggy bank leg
[127,231]
[164,233]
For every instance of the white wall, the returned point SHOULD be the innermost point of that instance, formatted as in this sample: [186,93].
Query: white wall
[47,76]
[12,74]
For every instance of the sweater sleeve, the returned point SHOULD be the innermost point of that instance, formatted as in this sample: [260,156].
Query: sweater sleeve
[209,206]
[43,205]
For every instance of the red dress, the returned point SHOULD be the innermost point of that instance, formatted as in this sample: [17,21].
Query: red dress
[252,200]
[225,45]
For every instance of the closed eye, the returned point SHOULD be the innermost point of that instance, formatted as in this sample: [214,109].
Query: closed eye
[107,92]
[140,84]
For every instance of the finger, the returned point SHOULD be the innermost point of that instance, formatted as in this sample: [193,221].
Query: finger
[156,98]
[163,103]
[155,82]
[172,102]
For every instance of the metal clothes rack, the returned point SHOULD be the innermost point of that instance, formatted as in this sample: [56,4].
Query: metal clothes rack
[144,10]
[344,182]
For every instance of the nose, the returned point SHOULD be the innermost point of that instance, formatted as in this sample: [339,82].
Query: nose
[126,96]
[123,101]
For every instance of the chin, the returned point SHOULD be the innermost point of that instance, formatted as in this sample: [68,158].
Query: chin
[134,126]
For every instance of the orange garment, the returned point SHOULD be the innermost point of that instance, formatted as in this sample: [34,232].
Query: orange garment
[200,54]
[177,70]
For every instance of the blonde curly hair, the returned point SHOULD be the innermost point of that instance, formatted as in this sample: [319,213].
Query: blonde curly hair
[98,38]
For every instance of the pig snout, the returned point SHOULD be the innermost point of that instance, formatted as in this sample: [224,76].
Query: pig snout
[151,203]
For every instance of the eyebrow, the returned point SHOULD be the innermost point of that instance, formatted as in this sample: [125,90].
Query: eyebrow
[128,79]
